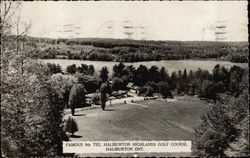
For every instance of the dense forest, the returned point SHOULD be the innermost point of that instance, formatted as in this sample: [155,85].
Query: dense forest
[133,50]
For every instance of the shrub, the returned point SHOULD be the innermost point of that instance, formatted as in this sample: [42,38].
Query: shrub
[71,126]
[96,99]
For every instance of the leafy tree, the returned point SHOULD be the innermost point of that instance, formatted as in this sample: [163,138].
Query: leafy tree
[71,69]
[77,97]
[117,84]
[31,112]
[215,132]
[91,70]
[31,105]
[142,90]
[131,72]
[104,74]
[209,89]
[91,83]
[220,74]
[63,84]
[53,68]
[223,129]
[150,91]
[154,85]
[236,75]
[71,126]
[83,69]
[153,74]
[164,90]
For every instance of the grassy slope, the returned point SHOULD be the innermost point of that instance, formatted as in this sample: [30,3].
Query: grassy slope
[160,121]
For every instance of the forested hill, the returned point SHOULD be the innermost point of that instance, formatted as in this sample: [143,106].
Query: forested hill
[135,50]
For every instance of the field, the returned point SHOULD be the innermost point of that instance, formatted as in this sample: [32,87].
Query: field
[145,120]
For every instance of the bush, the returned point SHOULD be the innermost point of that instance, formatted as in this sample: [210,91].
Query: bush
[71,126]
[96,99]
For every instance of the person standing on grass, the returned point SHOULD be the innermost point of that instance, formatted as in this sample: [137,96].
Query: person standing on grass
[77,97]
[105,89]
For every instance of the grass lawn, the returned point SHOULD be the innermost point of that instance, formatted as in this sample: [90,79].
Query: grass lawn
[183,113]
[144,120]
[153,120]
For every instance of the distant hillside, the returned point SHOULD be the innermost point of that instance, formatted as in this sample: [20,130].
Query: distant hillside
[135,50]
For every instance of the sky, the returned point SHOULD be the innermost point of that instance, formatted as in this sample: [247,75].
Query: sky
[184,21]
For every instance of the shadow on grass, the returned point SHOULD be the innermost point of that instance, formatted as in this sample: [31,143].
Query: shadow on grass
[75,136]
[80,114]
[109,110]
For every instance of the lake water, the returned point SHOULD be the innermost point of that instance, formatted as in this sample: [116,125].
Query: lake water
[170,65]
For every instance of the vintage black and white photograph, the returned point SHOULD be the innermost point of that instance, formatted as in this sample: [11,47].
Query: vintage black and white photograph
[124,79]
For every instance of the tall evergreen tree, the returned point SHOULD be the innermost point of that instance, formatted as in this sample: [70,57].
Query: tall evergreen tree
[119,70]
[104,74]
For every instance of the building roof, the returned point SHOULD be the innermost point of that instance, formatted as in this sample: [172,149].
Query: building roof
[130,85]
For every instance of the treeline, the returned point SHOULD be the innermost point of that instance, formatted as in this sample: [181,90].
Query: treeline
[200,82]
[150,80]
[133,51]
